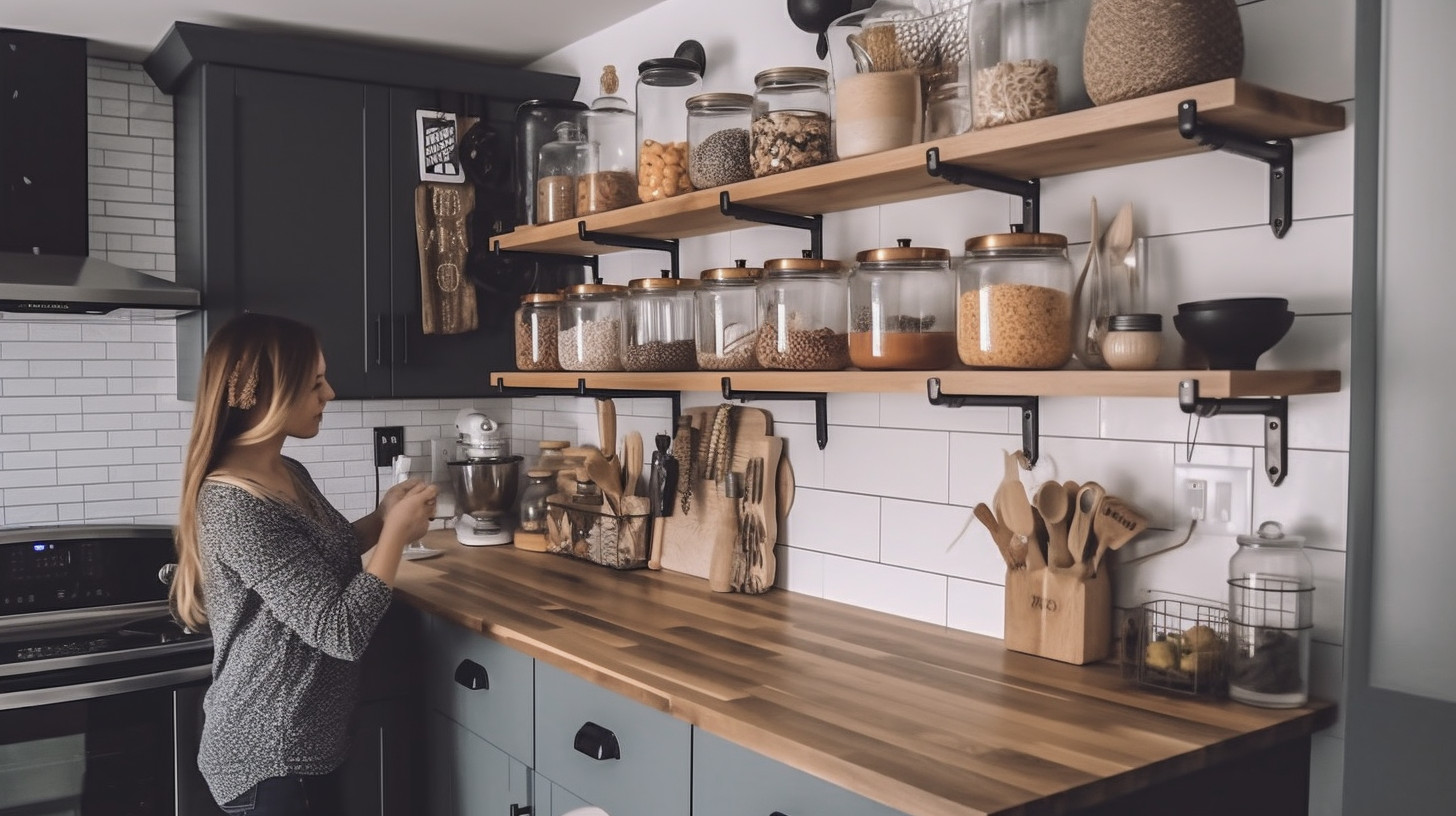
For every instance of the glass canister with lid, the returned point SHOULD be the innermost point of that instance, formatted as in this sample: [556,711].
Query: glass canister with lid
[535,125]
[591,327]
[1014,302]
[901,308]
[1271,619]
[658,325]
[538,322]
[663,89]
[610,179]
[718,139]
[727,321]
[804,308]
[560,164]
[790,120]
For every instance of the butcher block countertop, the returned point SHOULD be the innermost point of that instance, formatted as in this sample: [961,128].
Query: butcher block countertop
[928,720]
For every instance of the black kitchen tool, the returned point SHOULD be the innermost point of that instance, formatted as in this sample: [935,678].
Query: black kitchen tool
[814,16]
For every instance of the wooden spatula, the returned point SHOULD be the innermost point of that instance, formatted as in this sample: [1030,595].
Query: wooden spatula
[1116,524]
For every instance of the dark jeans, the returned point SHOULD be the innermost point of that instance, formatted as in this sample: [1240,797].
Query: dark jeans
[291,795]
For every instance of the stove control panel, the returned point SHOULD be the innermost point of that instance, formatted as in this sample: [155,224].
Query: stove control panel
[45,570]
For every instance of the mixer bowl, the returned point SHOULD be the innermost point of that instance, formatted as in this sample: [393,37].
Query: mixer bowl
[486,487]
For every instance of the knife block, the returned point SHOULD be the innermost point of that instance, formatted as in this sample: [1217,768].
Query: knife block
[1061,614]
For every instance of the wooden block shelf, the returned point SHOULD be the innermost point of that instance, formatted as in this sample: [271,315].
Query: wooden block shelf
[1129,132]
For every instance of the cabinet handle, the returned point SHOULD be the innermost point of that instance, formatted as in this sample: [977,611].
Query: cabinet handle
[404,338]
[521,810]
[472,675]
[379,339]
[777,813]
[597,742]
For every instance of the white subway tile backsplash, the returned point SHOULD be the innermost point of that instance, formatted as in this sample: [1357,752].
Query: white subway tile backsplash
[844,524]
[903,592]
[799,571]
[973,606]
[1313,501]
[938,538]
[886,462]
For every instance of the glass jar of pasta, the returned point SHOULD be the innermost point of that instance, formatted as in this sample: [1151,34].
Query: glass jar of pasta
[663,89]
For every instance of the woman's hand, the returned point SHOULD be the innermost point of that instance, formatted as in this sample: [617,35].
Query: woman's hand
[407,509]
[394,494]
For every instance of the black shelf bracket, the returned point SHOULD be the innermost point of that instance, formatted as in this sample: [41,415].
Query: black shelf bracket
[743,212]
[1029,191]
[1277,153]
[668,245]
[1276,416]
[582,390]
[1030,407]
[819,398]
[550,257]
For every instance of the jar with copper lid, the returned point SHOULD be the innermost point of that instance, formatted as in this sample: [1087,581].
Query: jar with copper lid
[591,327]
[901,308]
[538,322]
[1014,302]
[718,139]
[804,315]
[657,325]
[727,304]
[790,120]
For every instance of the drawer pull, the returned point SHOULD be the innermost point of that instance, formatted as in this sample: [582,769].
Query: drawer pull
[521,810]
[472,675]
[597,742]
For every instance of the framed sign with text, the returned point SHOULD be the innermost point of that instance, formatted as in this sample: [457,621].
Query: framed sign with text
[437,141]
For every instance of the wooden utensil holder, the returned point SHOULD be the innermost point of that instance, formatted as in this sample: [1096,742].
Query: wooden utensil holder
[1062,614]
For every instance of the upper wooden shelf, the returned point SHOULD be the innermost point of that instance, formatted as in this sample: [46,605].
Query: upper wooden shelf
[1137,130]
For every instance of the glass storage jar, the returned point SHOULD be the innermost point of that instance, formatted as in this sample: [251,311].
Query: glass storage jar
[877,91]
[540,485]
[1015,79]
[727,304]
[1271,618]
[591,327]
[610,180]
[538,322]
[658,325]
[535,125]
[556,173]
[1014,302]
[718,139]
[663,89]
[553,459]
[790,120]
[1133,341]
[803,303]
[901,308]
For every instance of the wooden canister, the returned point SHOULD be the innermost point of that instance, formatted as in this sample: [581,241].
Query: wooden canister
[1140,47]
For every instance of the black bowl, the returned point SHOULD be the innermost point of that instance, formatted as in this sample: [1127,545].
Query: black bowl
[1269,306]
[1233,338]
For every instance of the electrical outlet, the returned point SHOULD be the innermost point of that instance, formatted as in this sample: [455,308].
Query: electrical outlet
[388,443]
[1218,497]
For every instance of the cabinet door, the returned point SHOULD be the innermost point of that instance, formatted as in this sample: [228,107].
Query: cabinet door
[468,776]
[553,800]
[729,780]
[378,775]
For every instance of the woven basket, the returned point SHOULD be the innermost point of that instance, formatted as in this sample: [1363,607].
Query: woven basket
[1140,47]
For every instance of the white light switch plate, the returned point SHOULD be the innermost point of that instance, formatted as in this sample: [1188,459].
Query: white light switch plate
[442,450]
[1220,497]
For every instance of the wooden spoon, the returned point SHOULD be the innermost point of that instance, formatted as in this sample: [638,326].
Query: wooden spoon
[607,428]
[1051,501]
[999,534]
[631,462]
[1012,505]
[1083,513]
[1116,524]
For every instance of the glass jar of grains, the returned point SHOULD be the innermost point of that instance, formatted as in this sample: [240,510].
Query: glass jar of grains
[538,323]
[718,139]
[790,120]
[591,327]
[556,173]
[610,179]
[804,308]
[1014,302]
[728,318]
[901,308]
[663,89]
[658,325]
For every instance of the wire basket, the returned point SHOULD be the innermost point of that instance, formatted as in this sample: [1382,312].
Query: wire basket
[1181,647]
[619,541]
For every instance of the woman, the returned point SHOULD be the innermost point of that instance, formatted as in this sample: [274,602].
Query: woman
[274,570]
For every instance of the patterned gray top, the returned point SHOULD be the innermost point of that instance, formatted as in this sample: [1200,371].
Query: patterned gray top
[291,612]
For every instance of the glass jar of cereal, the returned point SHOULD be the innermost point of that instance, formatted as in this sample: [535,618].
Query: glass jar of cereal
[1014,302]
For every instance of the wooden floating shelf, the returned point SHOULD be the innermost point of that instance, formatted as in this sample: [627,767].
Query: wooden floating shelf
[1122,133]
[1211,384]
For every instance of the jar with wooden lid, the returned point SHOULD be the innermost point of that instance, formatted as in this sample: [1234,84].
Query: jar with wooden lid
[556,172]
[804,315]
[727,303]
[901,308]
[663,89]
[609,181]
[790,120]
[657,325]
[538,322]
[591,327]
[718,139]
[1014,302]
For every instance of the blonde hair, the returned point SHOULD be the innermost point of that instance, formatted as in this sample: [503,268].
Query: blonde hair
[255,369]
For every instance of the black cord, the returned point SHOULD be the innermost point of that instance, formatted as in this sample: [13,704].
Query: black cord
[376,487]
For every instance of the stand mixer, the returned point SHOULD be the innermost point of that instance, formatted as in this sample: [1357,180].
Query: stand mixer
[485,477]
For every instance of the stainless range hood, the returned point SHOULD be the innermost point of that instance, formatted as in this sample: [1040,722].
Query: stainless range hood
[44,221]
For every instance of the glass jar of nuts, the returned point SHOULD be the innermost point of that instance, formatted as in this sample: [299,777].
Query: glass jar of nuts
[728,318]
[591,327]
[657,322]
[1014,302]
[718,139]
[663,89]
[538,322]
[901,308]
[804,315]
[790,120]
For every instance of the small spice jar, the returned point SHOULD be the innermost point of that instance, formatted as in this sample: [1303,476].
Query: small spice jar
[610,180]
[531,516]
[804,308]
[556,173]
[790,120]
[1014,302]
[538,322]
[591,327]
[901,312]
[663,89]
[658,325]
[718,139]
[727,303]
[1271,619]
[1133,341]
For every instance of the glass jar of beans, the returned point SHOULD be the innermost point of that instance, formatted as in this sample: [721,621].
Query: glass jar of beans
[728,318]
[901,308]
[1014,302]
[591,327]
[718,139]
[790,120]
[804,315]
[538,322]
[663,89]
[658,325]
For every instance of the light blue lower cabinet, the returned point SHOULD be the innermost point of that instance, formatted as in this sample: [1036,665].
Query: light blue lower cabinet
[552,799]
[467,776]
[729,780]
